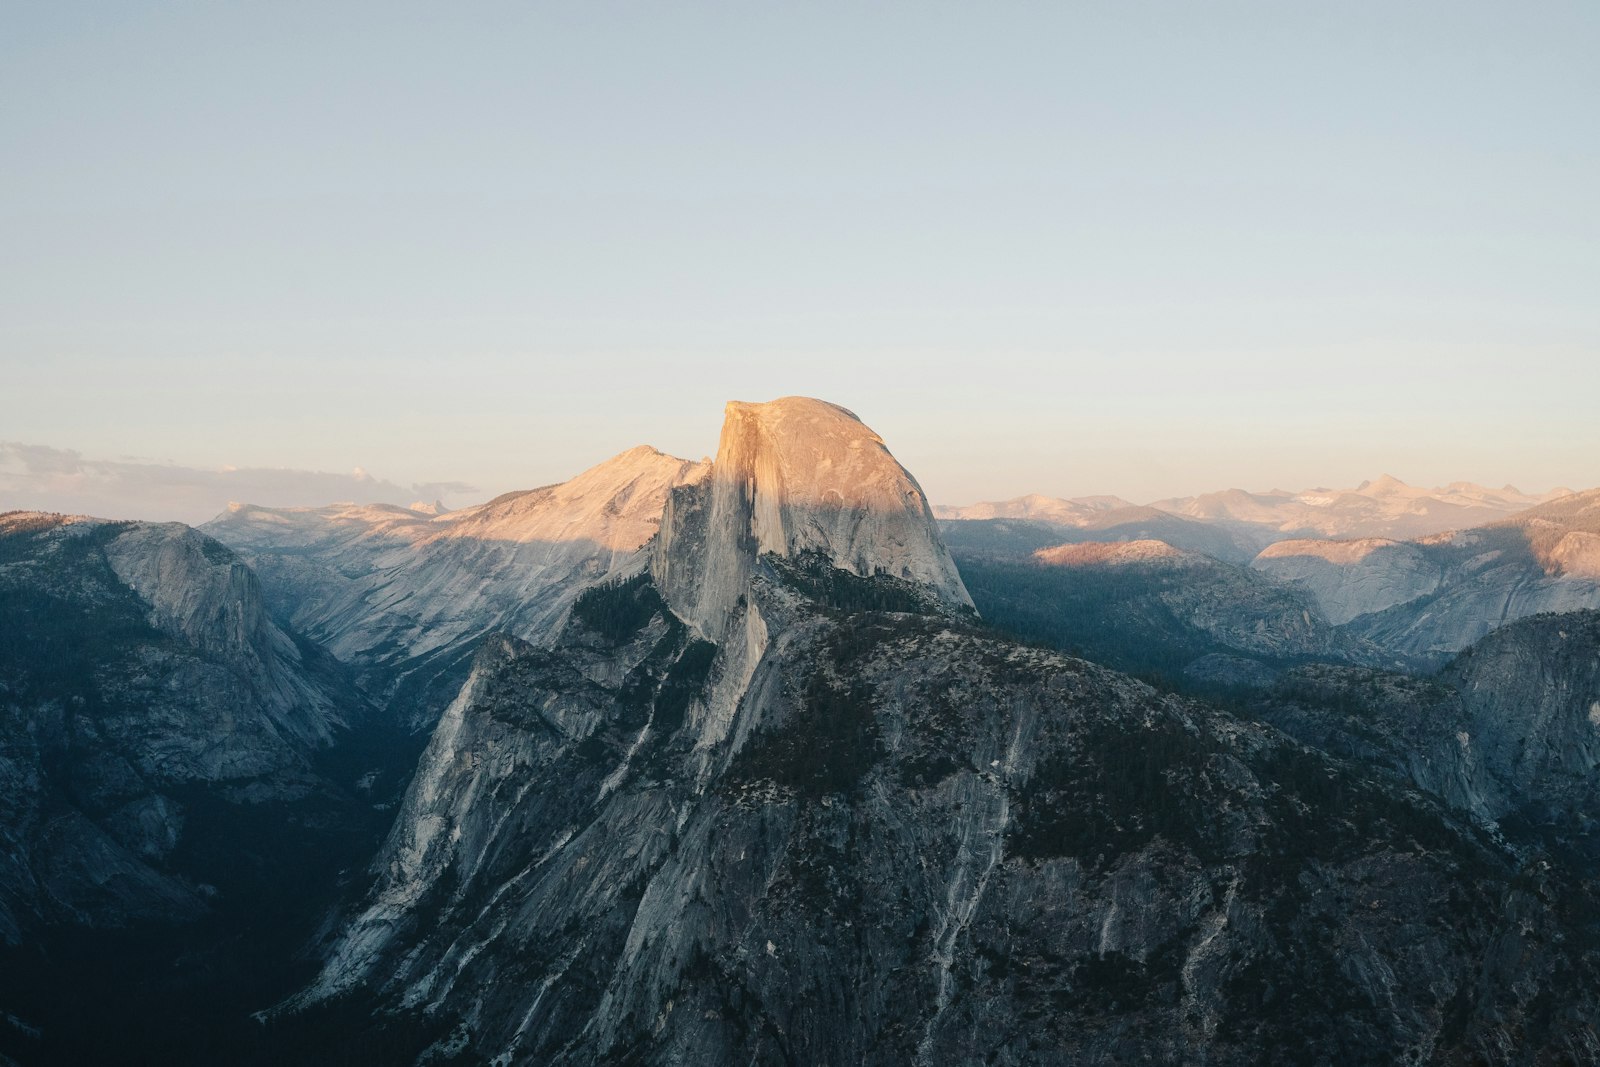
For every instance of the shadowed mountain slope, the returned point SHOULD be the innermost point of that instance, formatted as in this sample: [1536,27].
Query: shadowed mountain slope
[805,828]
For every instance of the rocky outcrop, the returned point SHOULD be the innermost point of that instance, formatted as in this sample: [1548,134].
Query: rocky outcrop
[404,596]
[1348,579]
[795,479]
[1150,608]
[137,670]
[1427,600]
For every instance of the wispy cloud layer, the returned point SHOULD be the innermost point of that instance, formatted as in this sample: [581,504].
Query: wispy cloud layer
[39,477]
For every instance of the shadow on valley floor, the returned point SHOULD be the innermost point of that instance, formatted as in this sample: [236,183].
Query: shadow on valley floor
[185,994]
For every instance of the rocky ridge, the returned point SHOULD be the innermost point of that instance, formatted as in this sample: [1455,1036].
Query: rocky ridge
[835,823]
[1429,599]
[137,666]
[404,596]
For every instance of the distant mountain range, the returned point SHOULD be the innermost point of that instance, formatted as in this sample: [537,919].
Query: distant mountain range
[1417,601]
[1432,597]
[1386,507]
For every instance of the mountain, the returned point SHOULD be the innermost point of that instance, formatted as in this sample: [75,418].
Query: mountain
[777,799]
[1508,732]
[1431,598]
[1079,511]
[404,595]
[1184,618]
[801,480]
[182,783]
[723,767]
[1010,536]
[1384,508]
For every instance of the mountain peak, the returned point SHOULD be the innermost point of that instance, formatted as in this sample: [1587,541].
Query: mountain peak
[801,451]
[799,407]
[799,476]
[1385,483]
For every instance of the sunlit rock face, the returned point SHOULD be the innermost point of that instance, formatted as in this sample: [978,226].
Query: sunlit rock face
[407,595]
[1113,553]
[1352,578]
[1576,555]
[1428,599]
[796,478]
[836,824]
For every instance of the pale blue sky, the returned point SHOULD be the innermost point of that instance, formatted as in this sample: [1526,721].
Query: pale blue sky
[1146,249]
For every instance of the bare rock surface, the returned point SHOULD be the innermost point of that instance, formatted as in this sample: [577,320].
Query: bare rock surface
[406,595]
[138,670]
[795,478]
[1429,599]
[776,800]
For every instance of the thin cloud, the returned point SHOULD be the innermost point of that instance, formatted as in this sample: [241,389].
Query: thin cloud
[38,477]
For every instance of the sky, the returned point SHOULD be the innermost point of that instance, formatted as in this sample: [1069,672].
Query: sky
[1148,249]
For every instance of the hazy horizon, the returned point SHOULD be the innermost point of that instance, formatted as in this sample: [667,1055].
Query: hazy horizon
[46,478]
[1148,250]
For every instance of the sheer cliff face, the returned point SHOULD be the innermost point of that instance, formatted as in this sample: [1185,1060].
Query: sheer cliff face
[1349,579]
[798,478]
[1530,694]
[137,670]
[734,813]
[1508,732]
